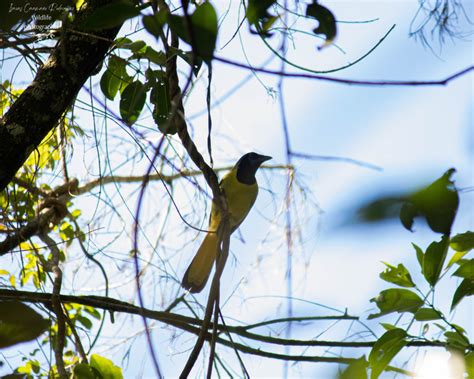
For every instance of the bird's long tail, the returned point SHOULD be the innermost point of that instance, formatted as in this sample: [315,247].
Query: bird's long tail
[198,271]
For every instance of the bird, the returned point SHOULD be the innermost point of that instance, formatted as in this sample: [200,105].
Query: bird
[241,190]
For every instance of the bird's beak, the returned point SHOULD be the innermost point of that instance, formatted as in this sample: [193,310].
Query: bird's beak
[264,158]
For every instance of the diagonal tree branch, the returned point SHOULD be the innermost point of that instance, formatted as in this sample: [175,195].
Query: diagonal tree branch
[47,98]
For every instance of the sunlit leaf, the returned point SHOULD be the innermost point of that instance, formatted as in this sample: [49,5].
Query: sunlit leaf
[427,314]
[355,370]
[387,326]
[457,256]
[434,258]
[466,270]
[465,289]
[84,371]
[469,362]
[456,340]
[93,312]
[385,349]
[398,275]
[463,241]
[136,46]
[84,321]
[396,300]
[113,78]
[105,367]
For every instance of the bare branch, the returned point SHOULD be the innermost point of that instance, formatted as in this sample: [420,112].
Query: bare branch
[191,324]
[401,83]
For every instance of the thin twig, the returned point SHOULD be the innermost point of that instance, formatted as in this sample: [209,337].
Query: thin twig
[58,347]
[407,83]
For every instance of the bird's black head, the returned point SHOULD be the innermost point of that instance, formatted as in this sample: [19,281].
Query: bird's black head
[248,165]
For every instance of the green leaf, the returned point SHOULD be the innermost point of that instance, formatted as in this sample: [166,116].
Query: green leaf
[438,203]
[154,24]
[160,98]
[379,209]
[205,25]
[420,256]
[157,57]
[113,78]
[457,256]
[469,361]
[136,46]
[466,270]
[456,340]
[258,9]
[76,213]
[120,42]
[407,215]
[463,241]
[93,312]
[397,275]
[357,369]
[84,321]
[427,314]
[326,20]
[385,349]
[178,25]
[466,288]
[30,367]
[110,15]
[434,258]
[388,326]
[132,101]
[84,371]
[19,323]
[105,367]
[258,15]
[396,300]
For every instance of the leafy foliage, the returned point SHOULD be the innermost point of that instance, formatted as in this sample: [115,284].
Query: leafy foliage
[258,15]
[437,203]
[19,323]
[326,20]
[386,347]
[110,15]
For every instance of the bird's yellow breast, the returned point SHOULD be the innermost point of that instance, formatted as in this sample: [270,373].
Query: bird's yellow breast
[240,198]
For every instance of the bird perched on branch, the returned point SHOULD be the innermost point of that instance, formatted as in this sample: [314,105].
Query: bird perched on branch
[241,189]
